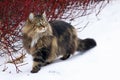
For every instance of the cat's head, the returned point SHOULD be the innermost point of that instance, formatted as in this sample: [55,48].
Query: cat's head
[36,24]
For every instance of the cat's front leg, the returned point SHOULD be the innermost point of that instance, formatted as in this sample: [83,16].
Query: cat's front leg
[36,67]
[38,62]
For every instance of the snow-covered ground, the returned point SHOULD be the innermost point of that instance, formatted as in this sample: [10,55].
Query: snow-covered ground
[99,63]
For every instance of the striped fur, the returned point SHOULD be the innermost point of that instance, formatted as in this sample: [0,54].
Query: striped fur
[46,41]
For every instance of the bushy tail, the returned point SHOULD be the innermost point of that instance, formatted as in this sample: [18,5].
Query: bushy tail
[86,44]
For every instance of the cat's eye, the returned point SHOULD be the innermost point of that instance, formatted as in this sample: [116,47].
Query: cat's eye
[42,19]
[44,22]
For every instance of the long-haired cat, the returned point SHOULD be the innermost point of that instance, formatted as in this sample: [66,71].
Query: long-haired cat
[46,41]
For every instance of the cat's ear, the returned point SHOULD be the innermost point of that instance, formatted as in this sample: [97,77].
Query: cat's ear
[31,17]
[44,15]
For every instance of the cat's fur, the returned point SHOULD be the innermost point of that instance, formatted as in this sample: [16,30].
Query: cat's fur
[45,41]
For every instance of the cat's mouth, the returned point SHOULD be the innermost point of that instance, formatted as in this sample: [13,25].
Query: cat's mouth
[41,30]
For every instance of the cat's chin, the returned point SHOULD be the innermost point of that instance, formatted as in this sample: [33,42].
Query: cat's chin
[42,30]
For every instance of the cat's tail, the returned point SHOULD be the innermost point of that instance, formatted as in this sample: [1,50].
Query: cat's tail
[86,44]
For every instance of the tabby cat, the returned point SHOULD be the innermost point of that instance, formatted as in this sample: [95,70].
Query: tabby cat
[46,41]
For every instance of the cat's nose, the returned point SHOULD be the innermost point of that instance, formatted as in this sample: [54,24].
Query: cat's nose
[38,24]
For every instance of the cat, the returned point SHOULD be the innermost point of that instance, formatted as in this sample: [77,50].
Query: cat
[46,41]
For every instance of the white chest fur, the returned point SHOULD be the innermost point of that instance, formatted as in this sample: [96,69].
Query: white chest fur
[34,41]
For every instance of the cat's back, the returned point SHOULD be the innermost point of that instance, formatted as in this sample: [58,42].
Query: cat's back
[60,28]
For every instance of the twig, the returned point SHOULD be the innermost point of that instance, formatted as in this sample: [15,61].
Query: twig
[18,60]
[22,64]
[5,68]
[83,27]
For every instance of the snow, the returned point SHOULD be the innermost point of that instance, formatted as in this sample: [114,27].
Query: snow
[99,63]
